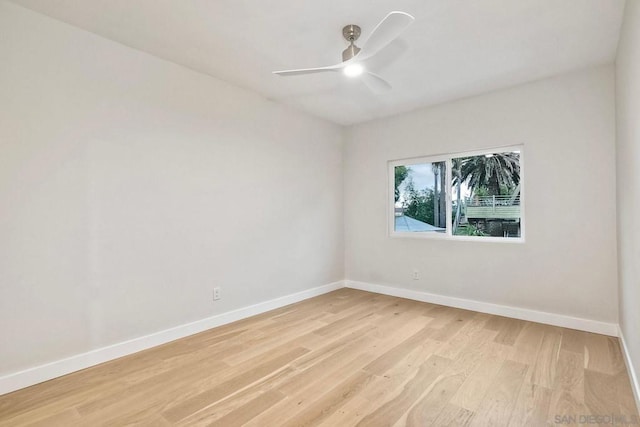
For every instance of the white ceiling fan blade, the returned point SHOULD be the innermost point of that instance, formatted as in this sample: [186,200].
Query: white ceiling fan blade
[309,70]
[385,32]
[375,83]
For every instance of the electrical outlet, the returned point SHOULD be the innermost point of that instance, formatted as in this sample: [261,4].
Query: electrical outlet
[216,294]
[416,275]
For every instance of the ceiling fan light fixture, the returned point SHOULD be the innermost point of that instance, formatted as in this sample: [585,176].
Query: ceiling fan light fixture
[353,70]
[384,33]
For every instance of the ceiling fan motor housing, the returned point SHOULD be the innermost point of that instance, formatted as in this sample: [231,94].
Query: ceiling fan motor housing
[351,33]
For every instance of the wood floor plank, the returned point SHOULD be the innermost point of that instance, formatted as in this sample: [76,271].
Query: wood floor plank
[476,352]
[476,385]
[60,419]
[249,410]
[211,396]
[326,347]
[510,331]
[166,385]
[310,393]
[389,325]
[331,401]
[567,395]
[598,354]
[496,323]
[470,332]
[570,373]
[428,408]
[615,356]
[532,406]
[264,344]
[232,402]
[350,413]
[350,301]
[444,316]
[625,398]
[326,367]
[390,358]
[389,412]
[345,358]
[500,400]
[573,340]
[453,416]
[600,393]
[527,345]
[544,369]
[449,330]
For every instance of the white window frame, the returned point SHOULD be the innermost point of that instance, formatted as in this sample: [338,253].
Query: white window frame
[447,158]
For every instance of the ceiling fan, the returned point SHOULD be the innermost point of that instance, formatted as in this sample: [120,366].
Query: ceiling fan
[353,57]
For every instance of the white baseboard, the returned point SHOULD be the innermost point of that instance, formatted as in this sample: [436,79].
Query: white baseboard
[486,307]
[38,374]
[635,385]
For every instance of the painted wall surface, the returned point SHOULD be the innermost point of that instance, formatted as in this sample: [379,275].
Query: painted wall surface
[567,264]
[130,187]
[628,178]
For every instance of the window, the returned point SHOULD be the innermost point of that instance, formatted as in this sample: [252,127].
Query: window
[475,195]
[419,198]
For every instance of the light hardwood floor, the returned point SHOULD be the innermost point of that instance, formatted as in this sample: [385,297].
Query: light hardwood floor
[347,358]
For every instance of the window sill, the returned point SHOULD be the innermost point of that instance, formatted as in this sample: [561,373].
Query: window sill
[442,236]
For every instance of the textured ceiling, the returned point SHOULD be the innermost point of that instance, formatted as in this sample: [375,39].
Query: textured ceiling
[455,48]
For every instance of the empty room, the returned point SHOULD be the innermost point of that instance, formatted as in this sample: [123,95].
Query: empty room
[287,213]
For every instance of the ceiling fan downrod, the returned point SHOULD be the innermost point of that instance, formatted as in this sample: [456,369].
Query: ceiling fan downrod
[351,34]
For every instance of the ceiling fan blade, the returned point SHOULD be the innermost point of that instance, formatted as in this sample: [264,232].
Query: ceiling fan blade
[308,70]
[385,32]
[375,83]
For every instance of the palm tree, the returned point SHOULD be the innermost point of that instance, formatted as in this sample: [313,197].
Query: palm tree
[439,205]
[401,172]
[497,171]
[456,165]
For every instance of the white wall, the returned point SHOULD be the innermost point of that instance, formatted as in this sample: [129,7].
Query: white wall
[130,187]
[568,264]
[628,179]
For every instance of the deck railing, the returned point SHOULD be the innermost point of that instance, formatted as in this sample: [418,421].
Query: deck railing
[493,201]
[492,207]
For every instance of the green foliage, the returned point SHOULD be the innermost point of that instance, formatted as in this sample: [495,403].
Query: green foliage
[469,230]
[419,204]
[506,190]
[481,191]
[499,174]
[401,173]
